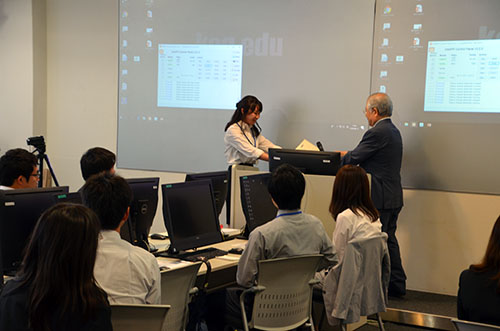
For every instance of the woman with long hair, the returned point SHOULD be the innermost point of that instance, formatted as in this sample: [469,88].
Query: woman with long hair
[479,286]
[243,139]
[352,208]
[55,287]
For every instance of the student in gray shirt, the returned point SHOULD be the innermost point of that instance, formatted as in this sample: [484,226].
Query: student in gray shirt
[291,233]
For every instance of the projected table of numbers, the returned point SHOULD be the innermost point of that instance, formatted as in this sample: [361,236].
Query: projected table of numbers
[463,76]
[199,76]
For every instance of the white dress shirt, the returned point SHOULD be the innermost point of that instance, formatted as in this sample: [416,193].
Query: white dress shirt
[128,274]
[242,146]
[351,226]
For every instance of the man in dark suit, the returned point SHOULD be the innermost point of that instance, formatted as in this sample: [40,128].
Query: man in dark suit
[380,153]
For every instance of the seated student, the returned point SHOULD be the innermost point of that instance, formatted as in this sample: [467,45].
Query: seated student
[479,287]
[55,288]
[18,169]
[291,233]
[129,274]
[97,160]
[352,208]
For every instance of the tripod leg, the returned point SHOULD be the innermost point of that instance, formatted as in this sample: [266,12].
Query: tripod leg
[46,158]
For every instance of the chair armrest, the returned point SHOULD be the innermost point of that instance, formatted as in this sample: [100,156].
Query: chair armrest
[314,281]
[253,289]
[193,291]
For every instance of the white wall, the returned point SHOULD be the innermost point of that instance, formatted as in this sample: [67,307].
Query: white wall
[16,73]
[440,233]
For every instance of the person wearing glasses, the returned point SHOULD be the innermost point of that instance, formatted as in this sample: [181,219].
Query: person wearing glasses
[243,139]
[18,169]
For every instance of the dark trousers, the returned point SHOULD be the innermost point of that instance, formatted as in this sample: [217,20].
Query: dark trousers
[397,283]
[223,309]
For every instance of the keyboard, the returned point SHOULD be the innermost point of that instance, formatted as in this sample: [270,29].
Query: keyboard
[207,253]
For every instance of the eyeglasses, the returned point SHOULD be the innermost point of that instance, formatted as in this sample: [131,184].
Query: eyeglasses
[37,175]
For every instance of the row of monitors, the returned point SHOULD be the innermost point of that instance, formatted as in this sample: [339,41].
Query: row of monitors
[190,209]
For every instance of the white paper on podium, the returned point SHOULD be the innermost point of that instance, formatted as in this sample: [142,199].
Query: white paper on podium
[306,145]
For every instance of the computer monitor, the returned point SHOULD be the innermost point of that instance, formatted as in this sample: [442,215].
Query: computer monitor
[19,212]
[73,197]
[256,201]
[142,211]
[309,162]
[189,215]
[219,186]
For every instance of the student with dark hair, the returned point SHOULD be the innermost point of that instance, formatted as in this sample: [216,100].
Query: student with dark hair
[18,169]
[243,140]
[55,288]
[97,160]
[129,274]
[291,233]
[352,208]
[479,287]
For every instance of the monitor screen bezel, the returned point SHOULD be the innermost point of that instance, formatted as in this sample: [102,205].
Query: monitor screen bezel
[17,245]
[250,225]
[213,176]
[130,230]
[194,241]
[309,162]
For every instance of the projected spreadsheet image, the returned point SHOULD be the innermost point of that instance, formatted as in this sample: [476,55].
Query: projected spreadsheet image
[463,76]
[199,76]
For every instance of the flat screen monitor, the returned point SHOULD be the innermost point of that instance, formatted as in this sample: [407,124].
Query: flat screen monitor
[256,201]
[219,186]
[309,162]
[19,212]
[73,197]
[189,215]
[142,211]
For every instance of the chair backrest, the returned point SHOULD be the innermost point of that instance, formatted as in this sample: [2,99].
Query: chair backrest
[138,317]
[358,286]
[473,326]
[286,301]
[176,285]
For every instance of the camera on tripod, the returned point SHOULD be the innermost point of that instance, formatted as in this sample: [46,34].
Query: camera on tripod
[40,147]
[37,142]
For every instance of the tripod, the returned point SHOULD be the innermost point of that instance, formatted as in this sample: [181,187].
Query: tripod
[40,148]
[41,157]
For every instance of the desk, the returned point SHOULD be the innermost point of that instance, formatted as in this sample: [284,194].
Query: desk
[223,267]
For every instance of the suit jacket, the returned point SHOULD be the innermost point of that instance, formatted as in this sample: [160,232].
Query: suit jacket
[380,153]
[477,299]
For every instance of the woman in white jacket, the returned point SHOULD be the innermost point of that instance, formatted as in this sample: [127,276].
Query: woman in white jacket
[352,208]
[243,140]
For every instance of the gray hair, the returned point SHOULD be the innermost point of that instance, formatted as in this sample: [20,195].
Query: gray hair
[382,102]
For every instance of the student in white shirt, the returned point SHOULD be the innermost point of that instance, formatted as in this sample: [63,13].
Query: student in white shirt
[129,274]
[352,208]
[243,140]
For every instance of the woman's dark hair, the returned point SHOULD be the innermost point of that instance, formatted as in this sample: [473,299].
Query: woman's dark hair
[491,259]
[58,266]
[352,191]
[248,104]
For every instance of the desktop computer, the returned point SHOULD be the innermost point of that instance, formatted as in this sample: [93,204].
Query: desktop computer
[19,212]
[190,218]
